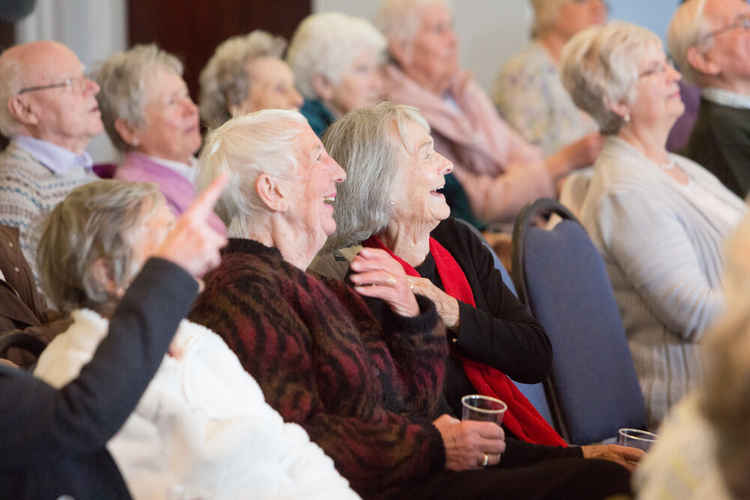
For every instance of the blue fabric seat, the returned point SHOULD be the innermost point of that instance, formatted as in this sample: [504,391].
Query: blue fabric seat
[593,389]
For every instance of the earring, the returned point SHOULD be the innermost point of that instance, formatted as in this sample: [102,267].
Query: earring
[627,118]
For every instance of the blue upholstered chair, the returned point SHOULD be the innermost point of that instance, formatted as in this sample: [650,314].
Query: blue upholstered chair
[533,392]
[559,273]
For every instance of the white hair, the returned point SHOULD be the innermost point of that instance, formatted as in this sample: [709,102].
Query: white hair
[123,81]
[365,143]
[599,68]
[688,28]
[399,19]
[10,84]
[264,142]
[326,44]
[225,82]
[545,15]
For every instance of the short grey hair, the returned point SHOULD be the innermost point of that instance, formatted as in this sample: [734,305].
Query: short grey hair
[599,68]
[10,84]
[545,15]
[365,142]
[399,19]
[264,142]
[224,81]
[124,80]
[95,221]
[726,394]
[326,44]
[688,28]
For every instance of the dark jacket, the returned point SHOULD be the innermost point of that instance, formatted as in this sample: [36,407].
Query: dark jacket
[720,142]
[53,441]
[318,116]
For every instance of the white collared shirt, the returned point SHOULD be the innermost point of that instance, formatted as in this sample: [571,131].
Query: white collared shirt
[58,159]
[187,171]
[725,97]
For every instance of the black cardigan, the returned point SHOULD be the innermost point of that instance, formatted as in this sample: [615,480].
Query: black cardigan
[53,441]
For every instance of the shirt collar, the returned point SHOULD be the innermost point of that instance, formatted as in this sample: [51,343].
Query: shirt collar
[58,160]
[185,170]
[727,98]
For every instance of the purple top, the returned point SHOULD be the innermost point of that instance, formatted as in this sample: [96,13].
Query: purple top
[59,160]
[176,188]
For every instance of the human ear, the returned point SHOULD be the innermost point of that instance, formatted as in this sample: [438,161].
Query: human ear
[400,50]
[322,87]
[272,193]
[702,62]
[22,110]
[127,132]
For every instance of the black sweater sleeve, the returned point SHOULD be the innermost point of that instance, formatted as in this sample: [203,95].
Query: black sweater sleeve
[499,331]
[39,423]
[520,453]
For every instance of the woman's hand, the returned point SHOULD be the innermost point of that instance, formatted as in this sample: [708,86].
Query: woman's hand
[376,274]
[468,442]
[624,455]
[193,243]
[447,306]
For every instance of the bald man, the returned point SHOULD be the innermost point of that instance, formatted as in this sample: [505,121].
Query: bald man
[710,40]
[49,111]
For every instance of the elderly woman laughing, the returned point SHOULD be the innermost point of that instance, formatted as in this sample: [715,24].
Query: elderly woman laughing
[202,428]
[659,219]
[367,391]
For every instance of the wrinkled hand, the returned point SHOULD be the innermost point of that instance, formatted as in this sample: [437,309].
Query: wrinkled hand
[624,455]
[193,243]
[466,442]
[376,274]
[447,306]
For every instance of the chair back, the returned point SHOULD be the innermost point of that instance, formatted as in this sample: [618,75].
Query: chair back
[533,392]
[593,390]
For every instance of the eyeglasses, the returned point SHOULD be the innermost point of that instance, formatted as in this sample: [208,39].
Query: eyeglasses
[76,84]
[742,22]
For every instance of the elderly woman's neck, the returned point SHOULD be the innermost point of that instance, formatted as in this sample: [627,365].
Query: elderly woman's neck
[650,142]
[553,43]
[296,247]
[411,242]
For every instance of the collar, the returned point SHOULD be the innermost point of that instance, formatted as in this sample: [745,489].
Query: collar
[726,98]
[185,170]
[58,160]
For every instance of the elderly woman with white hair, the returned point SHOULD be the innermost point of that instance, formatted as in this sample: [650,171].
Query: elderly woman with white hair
[246,74]
[658,219]
[368,391]
[529,93]
[202,429]
[336,59]
[149,116]
[496,171]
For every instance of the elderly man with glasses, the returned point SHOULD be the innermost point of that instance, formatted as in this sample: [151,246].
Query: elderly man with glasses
[49,112]
[710,41]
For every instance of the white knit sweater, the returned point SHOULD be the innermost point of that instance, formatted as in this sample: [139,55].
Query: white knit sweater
[663,253]
[202,428]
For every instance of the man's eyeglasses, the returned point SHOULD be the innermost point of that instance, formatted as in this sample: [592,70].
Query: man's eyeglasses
[77,85]
[742,22]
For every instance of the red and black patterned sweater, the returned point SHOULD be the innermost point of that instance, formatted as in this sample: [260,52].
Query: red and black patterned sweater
[365,391]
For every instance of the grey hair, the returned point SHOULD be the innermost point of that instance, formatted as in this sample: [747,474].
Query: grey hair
[365,142]
[599,68]
[264,142]
[10,84]
[726,395]
[326,44]
[687,29]
[95,221]
[399,19]
[225,82]
[545,15]
[124,80]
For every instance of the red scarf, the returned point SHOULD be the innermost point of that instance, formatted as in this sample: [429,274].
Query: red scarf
[521,418]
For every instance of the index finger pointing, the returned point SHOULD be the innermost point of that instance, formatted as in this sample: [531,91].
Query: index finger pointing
[205,201]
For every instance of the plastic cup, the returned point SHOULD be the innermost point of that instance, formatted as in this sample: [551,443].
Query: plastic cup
[484,408]
[636,438]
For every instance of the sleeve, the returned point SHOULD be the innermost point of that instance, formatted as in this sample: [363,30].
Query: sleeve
[732,136]
[371,446]
[650,244]
[520,453]
[500,198]
[39,422]
[505,336]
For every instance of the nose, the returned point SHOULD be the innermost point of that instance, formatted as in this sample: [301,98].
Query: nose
[339,174]
[674,75]
[91,86]
[446,166]
[190,107]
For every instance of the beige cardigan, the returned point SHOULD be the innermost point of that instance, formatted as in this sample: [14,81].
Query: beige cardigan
[664,258]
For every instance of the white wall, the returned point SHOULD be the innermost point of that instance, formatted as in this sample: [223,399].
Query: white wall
[490,31]
[93,29]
